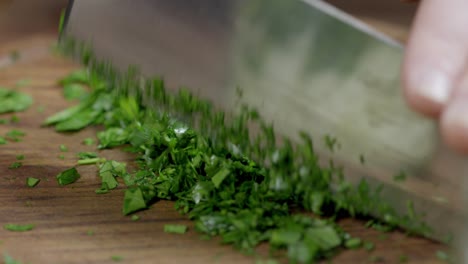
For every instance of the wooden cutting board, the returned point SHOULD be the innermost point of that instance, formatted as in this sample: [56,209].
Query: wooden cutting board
[64,215]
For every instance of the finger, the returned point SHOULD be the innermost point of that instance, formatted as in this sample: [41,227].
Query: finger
[435,55]
[454,119]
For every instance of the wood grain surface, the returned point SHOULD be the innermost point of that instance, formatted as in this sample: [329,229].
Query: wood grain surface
[64,215]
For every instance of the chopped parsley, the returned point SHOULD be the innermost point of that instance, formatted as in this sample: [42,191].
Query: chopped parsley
[133,201]
[7,259]
[18,227]
[443,256]
[15,165]
[353,243]
[63,148]
[20,157]
[72,91]
[89,161]
[14,119]
[88,141]
[135,217]
[369,246]
[13,101]
[15,135]
[400,177]
[230,184]
[68,176]
[32,182]
[175,229]
[116,258]
[87,155]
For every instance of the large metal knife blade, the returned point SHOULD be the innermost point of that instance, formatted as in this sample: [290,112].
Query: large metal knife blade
[305,66]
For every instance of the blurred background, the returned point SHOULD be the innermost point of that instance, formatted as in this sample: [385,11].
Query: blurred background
[22,18]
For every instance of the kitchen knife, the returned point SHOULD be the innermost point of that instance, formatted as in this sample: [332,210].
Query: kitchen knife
[306,66]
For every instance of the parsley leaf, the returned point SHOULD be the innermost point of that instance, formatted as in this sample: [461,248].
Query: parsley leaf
[15,165]
[32,182]
[116,258]
[14,101]
[133,201]
[72,91]
[9,260]
[87,155]
[18,227]
[63,148]
[68,176]
[175,229]
[88,141]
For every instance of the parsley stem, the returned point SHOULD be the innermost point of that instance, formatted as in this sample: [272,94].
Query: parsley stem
[91,161]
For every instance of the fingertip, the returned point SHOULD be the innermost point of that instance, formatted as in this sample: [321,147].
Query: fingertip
[454,125]
[426,91]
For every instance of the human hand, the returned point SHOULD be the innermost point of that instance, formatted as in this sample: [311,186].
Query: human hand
[435,69]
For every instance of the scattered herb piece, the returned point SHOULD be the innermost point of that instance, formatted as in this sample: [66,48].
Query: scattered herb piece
[20,157]
[353,243]
[231,186]
[400,177]
[63,148]
[403,259]
[88,141]
[15,165]
[15,135]
[133,201]
[61,24]
[13,101]
[90,232]
[87,155]
[362,159]
[80,76]
[175,229]
[135,217]
[117,258]
[18,228]
[68,176]
[369,246]
[443,256]
[112,137]
[32,182]
[61,156]
[108,171]
[72,91]
[91,161]
[3,140]
[14,119]
[3,121]
[7,259]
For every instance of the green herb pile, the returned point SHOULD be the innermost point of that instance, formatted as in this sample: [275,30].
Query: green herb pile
[245,188]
